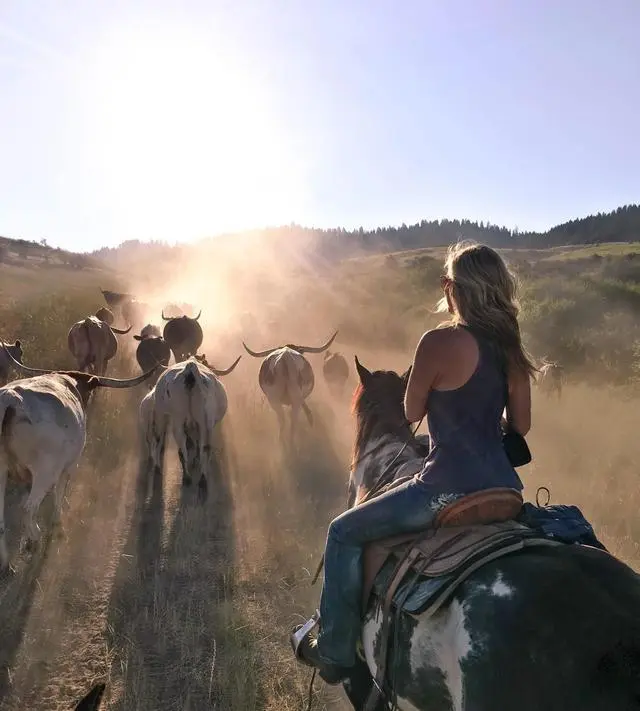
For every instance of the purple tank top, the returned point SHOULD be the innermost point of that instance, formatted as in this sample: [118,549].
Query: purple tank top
[466,452]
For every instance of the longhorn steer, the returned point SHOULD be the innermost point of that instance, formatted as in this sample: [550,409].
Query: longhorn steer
[15,351]
[335,371]
[42,434]
[93,344]
[151,350]
[286,378]
[183,335]
[189,396]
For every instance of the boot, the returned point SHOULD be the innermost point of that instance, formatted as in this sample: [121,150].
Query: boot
[306,651]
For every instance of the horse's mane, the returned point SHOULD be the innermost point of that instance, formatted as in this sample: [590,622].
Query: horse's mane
[371,407]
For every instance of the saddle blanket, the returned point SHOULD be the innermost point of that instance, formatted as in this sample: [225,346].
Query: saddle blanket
[450,555]
[447,557]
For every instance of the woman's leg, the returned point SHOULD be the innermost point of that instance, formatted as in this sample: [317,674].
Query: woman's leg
[404,509]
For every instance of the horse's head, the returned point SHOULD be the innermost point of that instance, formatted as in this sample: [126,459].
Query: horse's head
[379,397]
[381,426]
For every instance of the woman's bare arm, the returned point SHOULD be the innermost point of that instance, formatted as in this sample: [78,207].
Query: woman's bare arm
[519,402]
[424,372]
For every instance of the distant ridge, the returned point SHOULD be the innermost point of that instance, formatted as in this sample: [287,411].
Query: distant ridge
[619,225]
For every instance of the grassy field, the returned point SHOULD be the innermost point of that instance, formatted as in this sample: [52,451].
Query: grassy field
[182,606]
[608,249]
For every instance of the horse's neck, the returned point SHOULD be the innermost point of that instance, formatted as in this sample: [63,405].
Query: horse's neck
[383,455]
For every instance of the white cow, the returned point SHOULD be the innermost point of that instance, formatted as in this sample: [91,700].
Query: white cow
[189,396]
[42,434]
[286,378]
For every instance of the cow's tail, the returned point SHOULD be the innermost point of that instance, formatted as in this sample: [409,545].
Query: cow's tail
[197,427]
[308,413]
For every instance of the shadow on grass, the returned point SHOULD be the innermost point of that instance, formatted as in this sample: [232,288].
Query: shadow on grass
[17,590]
[179,642]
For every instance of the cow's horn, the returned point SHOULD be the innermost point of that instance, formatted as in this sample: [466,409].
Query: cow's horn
[309,349]
[259,354]
[228,370]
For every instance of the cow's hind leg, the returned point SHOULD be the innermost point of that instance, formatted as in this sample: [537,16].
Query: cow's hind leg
[186,439]
[59,492]
[43,477]
[157,443]
[207,455]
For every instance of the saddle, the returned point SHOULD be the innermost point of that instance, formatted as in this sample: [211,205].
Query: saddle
[467,534]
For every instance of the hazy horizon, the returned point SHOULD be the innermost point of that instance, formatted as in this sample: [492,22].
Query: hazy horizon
[146,120]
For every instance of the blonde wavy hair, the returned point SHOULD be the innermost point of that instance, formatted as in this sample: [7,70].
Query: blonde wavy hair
[484,297]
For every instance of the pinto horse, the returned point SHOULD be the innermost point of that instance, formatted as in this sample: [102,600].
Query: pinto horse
[554,628]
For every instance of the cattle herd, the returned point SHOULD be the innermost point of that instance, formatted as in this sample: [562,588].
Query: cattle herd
[43,416]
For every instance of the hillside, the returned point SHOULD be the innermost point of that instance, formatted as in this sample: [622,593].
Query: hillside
[620,225]
[26,253]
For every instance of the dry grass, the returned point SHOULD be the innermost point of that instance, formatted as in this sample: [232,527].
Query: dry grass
[182,606]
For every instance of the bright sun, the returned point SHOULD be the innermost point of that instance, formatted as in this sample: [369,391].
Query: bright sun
[186,140]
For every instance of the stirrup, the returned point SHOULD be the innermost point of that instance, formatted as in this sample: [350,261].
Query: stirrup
[300,632]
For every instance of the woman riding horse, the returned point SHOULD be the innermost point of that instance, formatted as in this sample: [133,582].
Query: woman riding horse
[463,375]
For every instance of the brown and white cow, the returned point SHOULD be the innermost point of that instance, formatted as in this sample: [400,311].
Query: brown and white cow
[286,378]
[92,344]
[190,398]
[42,434]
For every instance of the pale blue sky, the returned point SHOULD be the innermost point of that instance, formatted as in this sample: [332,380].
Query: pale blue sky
[177,120]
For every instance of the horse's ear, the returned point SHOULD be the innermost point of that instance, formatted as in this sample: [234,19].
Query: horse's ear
[405,376]
[363,373]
